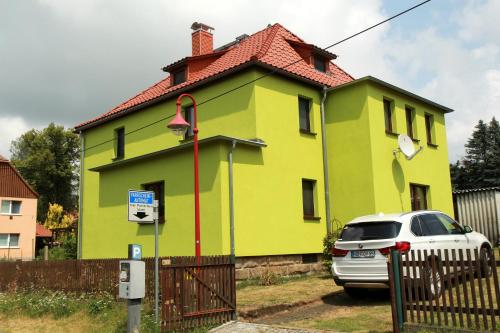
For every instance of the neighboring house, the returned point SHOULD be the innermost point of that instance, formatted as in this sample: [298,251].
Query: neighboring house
[18,202]
[266,134]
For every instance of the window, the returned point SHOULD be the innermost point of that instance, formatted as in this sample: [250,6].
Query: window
[9,240]
[179,77]
[11,207]
[320,64]
[418,194]
[409,122]
[429,120]
[159,189]
[305,114]
[189,117]
[416,229]
[451,225]
[120,143]
[308,197]
[370,231]
[388,116]
[431,225]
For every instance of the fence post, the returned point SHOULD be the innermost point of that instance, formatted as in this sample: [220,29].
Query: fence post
[396,294]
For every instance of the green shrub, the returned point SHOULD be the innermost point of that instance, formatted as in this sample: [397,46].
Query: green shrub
[328,243]
[268,278]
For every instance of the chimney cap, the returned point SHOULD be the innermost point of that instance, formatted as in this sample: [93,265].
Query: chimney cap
[201,26]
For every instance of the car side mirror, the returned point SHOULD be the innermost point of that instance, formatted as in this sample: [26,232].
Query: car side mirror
[467,229]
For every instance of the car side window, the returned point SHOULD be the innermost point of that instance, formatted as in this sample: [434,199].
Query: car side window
[416,229]
[432,226]
[451,225]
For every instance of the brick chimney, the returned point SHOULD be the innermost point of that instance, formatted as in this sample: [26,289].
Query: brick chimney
[202,39]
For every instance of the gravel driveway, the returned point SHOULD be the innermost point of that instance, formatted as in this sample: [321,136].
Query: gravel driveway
[236,326]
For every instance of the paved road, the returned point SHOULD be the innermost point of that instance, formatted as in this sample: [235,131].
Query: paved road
[236,326]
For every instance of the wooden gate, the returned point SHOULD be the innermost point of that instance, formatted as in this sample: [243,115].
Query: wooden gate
[438,290]
[197,296]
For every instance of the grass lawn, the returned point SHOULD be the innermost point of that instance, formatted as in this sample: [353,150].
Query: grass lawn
[302,289]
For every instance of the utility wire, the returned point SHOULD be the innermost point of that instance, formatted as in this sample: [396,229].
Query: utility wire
[271,72]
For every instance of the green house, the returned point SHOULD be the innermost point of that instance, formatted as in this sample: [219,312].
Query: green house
[291,146]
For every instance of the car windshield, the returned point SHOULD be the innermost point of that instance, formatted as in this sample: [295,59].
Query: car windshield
[370,231]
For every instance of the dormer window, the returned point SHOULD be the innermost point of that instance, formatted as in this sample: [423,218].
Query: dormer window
[319,63]
[179,77]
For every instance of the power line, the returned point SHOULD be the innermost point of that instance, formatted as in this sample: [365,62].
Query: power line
[271,72]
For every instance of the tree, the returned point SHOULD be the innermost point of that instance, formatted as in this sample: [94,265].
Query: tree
[48,159]
[56,218]
[481,165]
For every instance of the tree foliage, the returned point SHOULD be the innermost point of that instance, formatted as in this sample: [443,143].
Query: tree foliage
[57,218]
[48,159]
[481,165]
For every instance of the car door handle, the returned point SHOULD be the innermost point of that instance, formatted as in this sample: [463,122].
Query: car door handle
[432,241]
[457,240]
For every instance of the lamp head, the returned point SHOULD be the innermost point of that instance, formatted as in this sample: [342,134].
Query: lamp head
[178,125]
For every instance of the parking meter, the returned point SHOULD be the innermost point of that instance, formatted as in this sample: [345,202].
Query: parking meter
[132,279]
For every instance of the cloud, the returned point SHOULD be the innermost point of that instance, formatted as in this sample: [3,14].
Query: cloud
[12,127]
[68,61]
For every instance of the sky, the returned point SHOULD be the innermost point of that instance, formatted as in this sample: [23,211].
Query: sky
[69,61]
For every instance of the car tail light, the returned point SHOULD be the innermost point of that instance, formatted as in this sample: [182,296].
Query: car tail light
[339,252]
[402,247]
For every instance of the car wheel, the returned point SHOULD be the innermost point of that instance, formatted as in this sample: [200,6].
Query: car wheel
[485,261]
[434,282]
[353,292]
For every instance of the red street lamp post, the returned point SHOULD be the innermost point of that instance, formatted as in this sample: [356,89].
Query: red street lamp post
[179,126]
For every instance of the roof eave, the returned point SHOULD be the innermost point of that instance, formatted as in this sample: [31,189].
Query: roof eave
[194,85]
[393,87]
[217,138]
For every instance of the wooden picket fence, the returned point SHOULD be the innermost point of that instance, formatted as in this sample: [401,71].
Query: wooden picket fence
[190,295]
[441,290]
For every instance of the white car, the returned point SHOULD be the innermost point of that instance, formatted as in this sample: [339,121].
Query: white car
[360,254]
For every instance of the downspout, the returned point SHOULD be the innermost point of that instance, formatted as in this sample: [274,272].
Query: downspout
[80,197]
[325,163]
[231,199]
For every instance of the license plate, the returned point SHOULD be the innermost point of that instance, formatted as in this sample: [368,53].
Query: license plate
[363,254]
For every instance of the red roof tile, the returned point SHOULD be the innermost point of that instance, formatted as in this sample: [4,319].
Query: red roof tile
[41,231]
[267,47]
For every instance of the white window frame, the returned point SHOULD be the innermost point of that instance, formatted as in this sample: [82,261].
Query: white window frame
[8,242]
[10,208]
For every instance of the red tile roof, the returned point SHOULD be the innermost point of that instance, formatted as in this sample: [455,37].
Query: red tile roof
[12,184]
[41,231]
[269,47]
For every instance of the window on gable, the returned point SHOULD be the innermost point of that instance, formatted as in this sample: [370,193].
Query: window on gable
[304,114]
[120,143]
[10,207]
[189,117]
[179,77]
[319,63]
[9,240]
[159,189]
[429,123]
[388,110]
[308,186]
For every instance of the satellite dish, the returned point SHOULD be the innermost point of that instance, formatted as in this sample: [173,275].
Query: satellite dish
[406,146]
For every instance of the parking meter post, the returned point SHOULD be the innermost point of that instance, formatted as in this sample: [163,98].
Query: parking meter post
[132,286]
[156,261]
[396,256]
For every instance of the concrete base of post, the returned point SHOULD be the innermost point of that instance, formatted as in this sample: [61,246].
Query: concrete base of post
[134,315]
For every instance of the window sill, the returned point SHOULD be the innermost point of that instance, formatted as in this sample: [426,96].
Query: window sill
[187,139]
[8,214]
[432,145]
[391,133]
[415,140]
[303,131]
[312,218]
[115,159]
[10,247]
